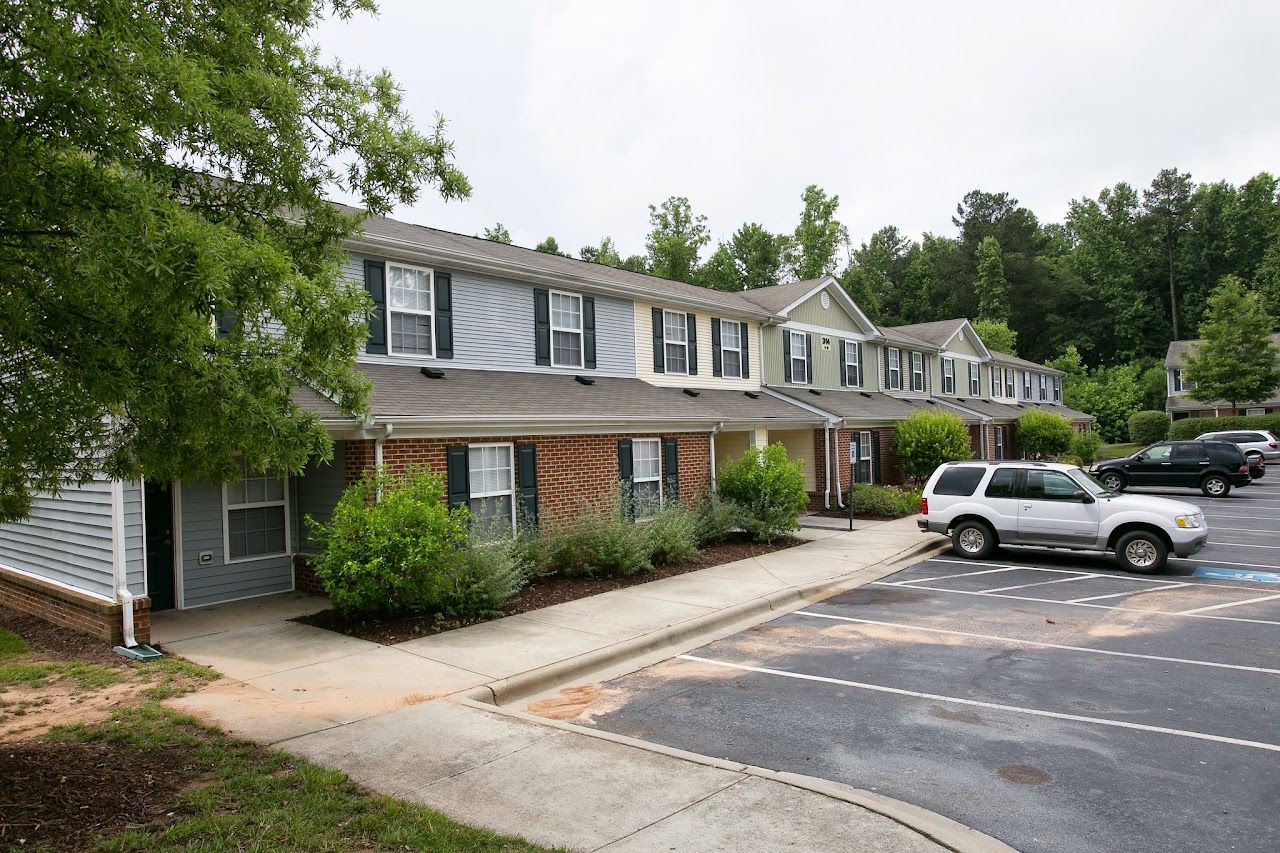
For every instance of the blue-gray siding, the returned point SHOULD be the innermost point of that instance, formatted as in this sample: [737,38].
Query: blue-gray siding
[134,548]
[316,493]
[220,581]
[67,539]
[493,328]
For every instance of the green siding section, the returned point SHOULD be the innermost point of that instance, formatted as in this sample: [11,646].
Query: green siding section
[835,317]
[826,366]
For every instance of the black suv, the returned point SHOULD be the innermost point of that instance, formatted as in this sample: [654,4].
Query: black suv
[1213,467]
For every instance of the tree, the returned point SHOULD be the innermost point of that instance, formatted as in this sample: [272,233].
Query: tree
[163,165]
[997,336]
[818,236]
[720,272]
[753,257]
[675,238]
[498,234]
[925,440]
[606,253]
[1168,204]
[1235,360]
[767,488]
[550,246]
[1042,434]
[876,275]
[992,289]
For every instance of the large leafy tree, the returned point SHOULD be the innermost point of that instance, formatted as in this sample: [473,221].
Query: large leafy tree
[165,163]
[1235,360]
[819,235]
[676,237]
[997,336]
[753,257]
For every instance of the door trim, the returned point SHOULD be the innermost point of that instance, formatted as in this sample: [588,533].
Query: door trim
[175,492]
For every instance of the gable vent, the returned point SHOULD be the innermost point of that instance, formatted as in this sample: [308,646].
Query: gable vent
[583,380]
[432,373]
[691,392]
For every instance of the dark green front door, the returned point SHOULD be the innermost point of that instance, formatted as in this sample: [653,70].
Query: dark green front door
[158,513]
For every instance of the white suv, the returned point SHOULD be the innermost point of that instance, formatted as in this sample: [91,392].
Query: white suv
[1254,442]
[986,504]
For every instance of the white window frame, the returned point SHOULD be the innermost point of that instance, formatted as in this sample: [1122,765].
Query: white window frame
[975,379]
[228,507]
[997,382]
[1254,411]
[1181,385]
[511,465]
[634,479]
[1010,388]
[917,369]
[667,342]
[1026,385]
[804,348]
[1057,389]
[430,313]
[851,359]
[580,332]
[738,330]
[949,373]
[893,356]
[999,436]
[1044,387]
[864,454]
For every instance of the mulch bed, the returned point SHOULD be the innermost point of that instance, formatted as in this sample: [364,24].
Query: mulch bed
[844,514]
[57,642]
[70,795]
[541,592]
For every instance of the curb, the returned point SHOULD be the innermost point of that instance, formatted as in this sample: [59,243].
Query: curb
[952,835]
[702,627]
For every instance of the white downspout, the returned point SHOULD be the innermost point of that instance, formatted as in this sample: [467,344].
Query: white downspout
[839,487]
[826,438]
[387,429]
[719,426]
[118,564]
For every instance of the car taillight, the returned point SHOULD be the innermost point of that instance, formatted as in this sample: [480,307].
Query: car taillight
[1243,469]
[1271,444]
[924,506]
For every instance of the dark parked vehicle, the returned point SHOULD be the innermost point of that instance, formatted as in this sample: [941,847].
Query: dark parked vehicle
[1257,466]
[1213,467]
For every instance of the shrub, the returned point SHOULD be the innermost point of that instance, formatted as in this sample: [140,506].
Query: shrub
[490,574]
[598,542]
[926,440]
[1148,427]
[883,501]
[1071,459]
[672,535]
[716,519]
[1192,427]
[1085,447]
[1043,434]
[400,552]
[768,490]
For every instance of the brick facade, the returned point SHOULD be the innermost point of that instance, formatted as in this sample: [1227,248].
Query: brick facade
[74,610]
[573,470]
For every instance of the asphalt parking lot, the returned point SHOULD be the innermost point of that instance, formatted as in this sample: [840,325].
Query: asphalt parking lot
[1047,699]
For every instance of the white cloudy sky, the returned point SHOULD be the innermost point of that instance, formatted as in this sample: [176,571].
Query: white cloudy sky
[572,117]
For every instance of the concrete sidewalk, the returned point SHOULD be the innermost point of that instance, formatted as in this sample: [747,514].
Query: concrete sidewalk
[367,709]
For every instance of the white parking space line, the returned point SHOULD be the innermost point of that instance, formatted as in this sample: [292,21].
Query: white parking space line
[1040,644]
[1246,545]
[1083,604]
[962,575]
[1231,604]
[1119,577]
[1249,530]
[1043,583]
[1130,592]
[995,706]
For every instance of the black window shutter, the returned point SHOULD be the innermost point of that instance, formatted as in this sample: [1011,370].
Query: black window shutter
[659,360]
[885,366]
[671,469]
[808,358]
[541,327]
[746,362]
[527,468]
[717,366]
[375,282]
[876,475]
[626,484]
[444,315]
[691,325]
[844,363]
[859,373]
[786,356]
[589,332]
[459,477]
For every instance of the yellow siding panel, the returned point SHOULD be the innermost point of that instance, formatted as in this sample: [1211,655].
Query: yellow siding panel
[704,379]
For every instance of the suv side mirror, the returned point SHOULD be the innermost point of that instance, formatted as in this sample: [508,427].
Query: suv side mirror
[1140,457]
[1082,496]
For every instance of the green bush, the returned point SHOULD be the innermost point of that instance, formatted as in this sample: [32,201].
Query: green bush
[1071,459]
[400,552]
[490,574]
[597,542]
[926,440]
[672,535]
[1148,427]
[1042,434]
[1192,427]
[717,518]
[1085,446]
[883,501]
[768,489]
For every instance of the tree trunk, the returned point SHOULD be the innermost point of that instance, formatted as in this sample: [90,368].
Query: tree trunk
[1173,293]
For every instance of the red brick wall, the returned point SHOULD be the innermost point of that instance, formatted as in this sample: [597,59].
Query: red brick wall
[840,441]
[890,473]
[74,610]
[572,469]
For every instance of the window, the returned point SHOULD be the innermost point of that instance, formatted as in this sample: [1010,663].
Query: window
[1187,453]
[1158,453]
[675,346]
[1057,389]
[646,476]
[949,376]
[799,357]
[853,364]
[1050,486]
[1181,384]
[895,369]
[1254,411]
[917,372]
[975,380]
[491,474]
[1008,382]
[410,306]
[255,510]
[962,480]
[1000,442]
[997,386]
[861,453]
[1026,385]
[731,349]
[566,330]
[1044,387]
[1001,485]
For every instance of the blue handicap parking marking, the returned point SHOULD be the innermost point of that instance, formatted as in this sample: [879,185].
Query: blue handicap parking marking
[1222,573]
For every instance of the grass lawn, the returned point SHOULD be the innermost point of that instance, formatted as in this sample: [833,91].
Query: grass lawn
[1115,451]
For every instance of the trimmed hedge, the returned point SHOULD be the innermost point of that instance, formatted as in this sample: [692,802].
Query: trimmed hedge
[1042,435]
[1192,427]
[883,501]
[1148,427]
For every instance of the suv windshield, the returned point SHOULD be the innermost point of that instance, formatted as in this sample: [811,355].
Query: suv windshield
[1089,484]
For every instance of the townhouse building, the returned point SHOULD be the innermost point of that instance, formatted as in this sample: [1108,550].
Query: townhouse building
[1179,403]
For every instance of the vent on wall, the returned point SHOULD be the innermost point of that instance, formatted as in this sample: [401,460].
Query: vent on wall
[691,392]
[815,392]
[432,373]
[865,394]
[583,380]
[754,395]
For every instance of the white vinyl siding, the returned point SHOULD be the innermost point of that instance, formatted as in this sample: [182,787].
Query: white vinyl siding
[410,310]
[799,357]
[566,329]
[675,346]
[646,476]
[730,349]
[895,369]
[491,473]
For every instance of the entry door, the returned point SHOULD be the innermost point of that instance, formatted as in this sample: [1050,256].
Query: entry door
[1051,514]
[1153,468]
[158,512]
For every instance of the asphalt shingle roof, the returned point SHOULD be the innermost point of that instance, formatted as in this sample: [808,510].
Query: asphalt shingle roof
[1013,361]
[936,333]
[774,299]
[853,404]
[1177,349]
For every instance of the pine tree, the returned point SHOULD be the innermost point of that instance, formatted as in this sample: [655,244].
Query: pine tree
[991,287]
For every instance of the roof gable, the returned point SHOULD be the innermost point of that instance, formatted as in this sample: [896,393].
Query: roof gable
[793,297]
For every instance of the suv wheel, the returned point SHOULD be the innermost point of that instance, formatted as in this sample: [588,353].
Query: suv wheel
[1141,551]
[1215,486]
[1113,481]
[973,539]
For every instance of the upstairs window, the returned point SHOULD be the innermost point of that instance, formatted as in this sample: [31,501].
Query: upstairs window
[1044,387]
[1057,389]
[975,380]
[1179,383]
[917,371]
[675,347]
[731,349]
[895,369]
[409,293]
[255,510]
[997,384]
[948,376]
[1026,385]
[799,357]
[566,329]
[1008,382]
[853,364]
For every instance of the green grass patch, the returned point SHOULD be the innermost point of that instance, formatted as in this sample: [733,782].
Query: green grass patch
[26,674]
[11,644]
[87,676]
[1117,451]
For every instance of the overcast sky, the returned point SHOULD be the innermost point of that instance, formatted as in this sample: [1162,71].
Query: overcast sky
[570,118]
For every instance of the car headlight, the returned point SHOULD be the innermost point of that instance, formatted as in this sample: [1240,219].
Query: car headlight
[1190,522]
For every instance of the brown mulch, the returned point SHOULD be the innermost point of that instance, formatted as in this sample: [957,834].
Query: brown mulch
[68,795]
[541,592]
[57,642]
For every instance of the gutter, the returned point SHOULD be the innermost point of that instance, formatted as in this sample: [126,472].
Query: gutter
[839,487]
[826,440]
[717,429]
[387,429]
[118,569]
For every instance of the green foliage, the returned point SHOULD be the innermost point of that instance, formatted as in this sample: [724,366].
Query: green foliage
[925,440]
[606,253]
[1148,427]
[1192,427]
[997,336]
[768,490]
[11,644]
[1085,447]
[992,289]
[753,257]
[498,234]
[597,542]
[717,518]
[819,235]
[1236,358]
[1111,394]
[164,164]
[675,238]
[550,246]
[672,536]
[1041,434]
[883,501]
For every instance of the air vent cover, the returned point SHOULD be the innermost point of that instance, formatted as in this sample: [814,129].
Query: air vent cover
[583,380]
[691,392]
[432,373]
